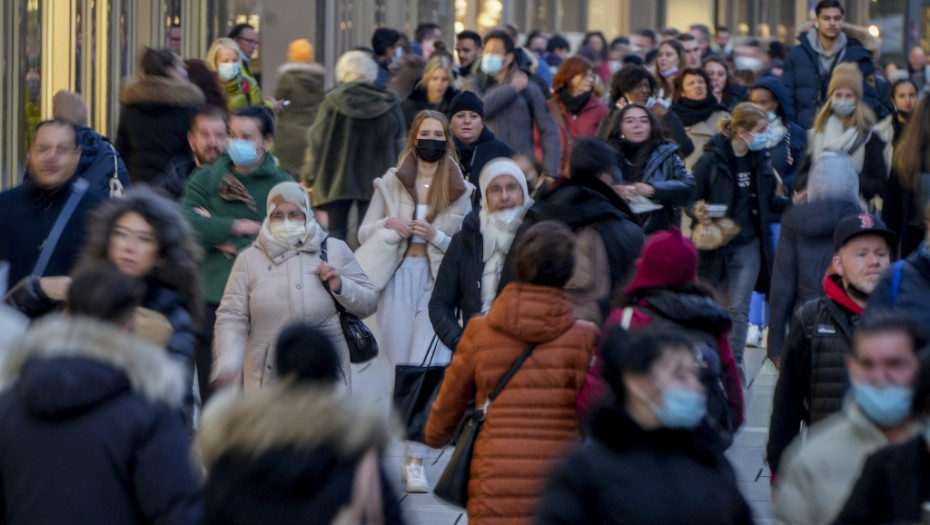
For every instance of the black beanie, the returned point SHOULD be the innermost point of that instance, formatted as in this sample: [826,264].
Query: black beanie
[591,157]
[466,101]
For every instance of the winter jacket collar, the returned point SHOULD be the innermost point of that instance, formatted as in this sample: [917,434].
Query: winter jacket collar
[361,100]
[287,416]
[45,198]
[818,219]
[616,430]
[833,287]
[161,91]
[660,153]
[68,364]
[690,310]
[857,36]
[407,175]
[531,312]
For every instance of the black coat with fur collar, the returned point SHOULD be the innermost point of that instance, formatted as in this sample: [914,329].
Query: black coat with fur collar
[91,431]
[286,455]
[628,475]
[154,119]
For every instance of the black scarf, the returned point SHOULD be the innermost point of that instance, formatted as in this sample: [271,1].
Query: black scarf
[634,156]
[574,103]
[693,111]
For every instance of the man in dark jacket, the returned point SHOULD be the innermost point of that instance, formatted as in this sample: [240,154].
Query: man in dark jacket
[813,378]
[207,139]
[607,240]
[99,159]
[28,211]
[384,42]
[474,143]
[906,285]
[828,42]
[90,426]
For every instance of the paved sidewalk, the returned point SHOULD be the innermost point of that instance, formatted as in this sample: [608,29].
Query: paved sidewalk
[371,383]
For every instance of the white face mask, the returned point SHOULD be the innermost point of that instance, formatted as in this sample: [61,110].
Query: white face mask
[288,232]
[842,108]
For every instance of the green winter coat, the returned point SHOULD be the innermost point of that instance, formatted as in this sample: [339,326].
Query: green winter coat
[302,85]
[206,189]
[236,92]
[358,134]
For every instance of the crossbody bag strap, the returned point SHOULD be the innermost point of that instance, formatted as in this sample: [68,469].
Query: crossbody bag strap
[504,380]
[78,189]
[116,187]
[323,255]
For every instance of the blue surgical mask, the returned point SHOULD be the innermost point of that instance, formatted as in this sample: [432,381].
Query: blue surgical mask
[242,152]
[759,141]
[492,64]
[772,116]
[398,52]
[681,408]
[886,405]
[228,70]
[842,108]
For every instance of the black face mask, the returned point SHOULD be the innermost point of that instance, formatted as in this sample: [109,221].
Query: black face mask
[854,292]
[430,150]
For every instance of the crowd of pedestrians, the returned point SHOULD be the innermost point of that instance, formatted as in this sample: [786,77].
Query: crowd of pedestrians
[589,238]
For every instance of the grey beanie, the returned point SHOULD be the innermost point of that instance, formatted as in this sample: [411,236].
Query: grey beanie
[833,177]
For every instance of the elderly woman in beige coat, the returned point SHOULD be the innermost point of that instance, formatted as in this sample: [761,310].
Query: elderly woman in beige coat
[280,279]
[416,209]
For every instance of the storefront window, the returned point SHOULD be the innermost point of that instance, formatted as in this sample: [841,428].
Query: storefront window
[31,72]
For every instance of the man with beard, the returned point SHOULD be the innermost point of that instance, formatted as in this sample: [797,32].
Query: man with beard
[207,139]
[813,378]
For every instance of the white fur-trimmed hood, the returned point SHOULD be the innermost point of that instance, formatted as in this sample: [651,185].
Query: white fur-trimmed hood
[286,416]
[152,373]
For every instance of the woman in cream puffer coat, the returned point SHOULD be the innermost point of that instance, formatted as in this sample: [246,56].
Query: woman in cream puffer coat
[278,280]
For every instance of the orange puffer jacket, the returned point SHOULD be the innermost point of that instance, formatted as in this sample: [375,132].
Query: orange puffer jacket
[533,424]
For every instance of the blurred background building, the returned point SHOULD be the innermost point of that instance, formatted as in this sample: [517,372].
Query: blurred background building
[91,45]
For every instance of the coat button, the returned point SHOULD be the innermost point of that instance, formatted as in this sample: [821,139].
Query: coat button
[298,286]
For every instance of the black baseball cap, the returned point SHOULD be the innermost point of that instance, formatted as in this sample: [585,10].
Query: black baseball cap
[861,224]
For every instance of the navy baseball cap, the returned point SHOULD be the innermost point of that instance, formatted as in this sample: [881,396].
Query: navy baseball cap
[862,224]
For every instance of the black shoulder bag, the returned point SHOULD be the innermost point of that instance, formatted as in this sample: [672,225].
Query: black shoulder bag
[361,342]
[452,486]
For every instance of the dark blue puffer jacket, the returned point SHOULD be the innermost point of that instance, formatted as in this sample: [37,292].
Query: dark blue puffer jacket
[96,164]
[788,154]
[807,85]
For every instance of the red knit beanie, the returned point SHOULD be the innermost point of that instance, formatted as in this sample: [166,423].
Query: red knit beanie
[669,259]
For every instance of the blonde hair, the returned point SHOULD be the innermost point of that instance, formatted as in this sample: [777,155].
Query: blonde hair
[438,196]
[356,66]
[847,75]
[221,43]
[745,116]
[438,62]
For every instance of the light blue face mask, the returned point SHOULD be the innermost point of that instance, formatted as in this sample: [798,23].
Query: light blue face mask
[228,70]
[759,141]
[885,405]
[772,116]
[681,408]
[242,152]
[492,64]
[842,108]
[398,52]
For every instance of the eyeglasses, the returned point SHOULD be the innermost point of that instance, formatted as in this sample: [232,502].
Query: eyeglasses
[253,41]
[58,151]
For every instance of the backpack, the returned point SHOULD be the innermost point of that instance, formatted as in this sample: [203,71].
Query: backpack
[719,416]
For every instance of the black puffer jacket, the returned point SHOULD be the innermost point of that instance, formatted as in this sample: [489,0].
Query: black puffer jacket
[458,284]
[474,156]
[716,184]
[92,432]
[805,250]
[153,123]
[631,476]
[913,295]
[813,378]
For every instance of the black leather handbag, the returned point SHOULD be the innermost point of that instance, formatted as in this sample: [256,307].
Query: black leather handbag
[452,486]
[361,342]
[415,388]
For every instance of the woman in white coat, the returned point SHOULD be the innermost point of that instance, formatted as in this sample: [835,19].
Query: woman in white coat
[416,209]
[278,280]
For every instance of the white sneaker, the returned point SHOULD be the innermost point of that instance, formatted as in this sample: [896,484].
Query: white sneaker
[415,477]
[754,336]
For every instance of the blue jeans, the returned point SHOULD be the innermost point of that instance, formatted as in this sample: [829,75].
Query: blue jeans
[741,265]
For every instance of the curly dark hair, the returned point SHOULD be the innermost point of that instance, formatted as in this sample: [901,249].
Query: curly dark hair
[178,250]
[628,79]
